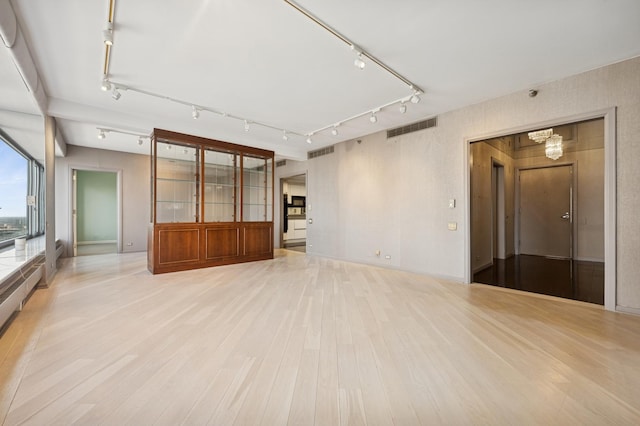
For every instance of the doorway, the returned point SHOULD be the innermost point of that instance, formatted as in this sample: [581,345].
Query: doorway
[537,222]
[293,208]
[95,218]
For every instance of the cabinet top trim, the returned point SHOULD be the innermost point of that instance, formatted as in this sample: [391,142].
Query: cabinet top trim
[213,143]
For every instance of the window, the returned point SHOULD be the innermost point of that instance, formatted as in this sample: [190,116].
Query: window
[21,194]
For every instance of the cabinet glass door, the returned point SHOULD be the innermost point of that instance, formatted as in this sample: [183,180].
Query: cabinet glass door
[257,190]
[220,186]
[177,183]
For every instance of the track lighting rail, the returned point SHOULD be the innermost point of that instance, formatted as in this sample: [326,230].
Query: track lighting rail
[107,84]
[412,86]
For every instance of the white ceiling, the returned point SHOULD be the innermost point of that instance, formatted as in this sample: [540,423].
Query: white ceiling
[265,61]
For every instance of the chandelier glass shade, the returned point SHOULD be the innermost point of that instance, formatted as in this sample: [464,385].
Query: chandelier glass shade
[540,135]
[553,147]
[552,142]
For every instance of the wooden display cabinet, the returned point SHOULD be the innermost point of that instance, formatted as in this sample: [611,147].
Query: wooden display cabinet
[211,203]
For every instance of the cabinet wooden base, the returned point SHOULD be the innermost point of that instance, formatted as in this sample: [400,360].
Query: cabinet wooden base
[178,247]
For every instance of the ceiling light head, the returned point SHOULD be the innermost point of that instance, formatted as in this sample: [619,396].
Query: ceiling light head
[309,138]
[115,94]
[285,137]
[415,98]
[106,86]
[246,126]
[101,134]
[195,112]
[373,118]
[140,140]
[358,62]
[403,107]
[334,131]
[107,34]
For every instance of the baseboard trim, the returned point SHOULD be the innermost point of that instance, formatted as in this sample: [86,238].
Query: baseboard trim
[482,267]
[627,310]
[86,243]
[589,259]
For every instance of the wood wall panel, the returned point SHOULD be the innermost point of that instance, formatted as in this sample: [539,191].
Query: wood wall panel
[222,242]
[178,245]
[258,239]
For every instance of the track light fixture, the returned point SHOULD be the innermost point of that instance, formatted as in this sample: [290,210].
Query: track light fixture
[246,126]
[285,137]
[403,107]
[106,86]
[195,112]
[107,34]
[309,138]
[115,94]
[358,62]
[334,131]
[102,131]
[373,118]
[415,98]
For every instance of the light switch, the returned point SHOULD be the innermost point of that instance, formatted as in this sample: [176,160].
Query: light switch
[452,203]
[453,226]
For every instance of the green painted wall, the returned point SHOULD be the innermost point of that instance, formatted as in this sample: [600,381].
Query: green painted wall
[97,202]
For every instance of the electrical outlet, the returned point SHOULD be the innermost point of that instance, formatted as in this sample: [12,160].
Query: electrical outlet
[452,226]
[387,257]
[129,244]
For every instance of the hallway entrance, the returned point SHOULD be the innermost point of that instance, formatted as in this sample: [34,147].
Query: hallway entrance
[537,216]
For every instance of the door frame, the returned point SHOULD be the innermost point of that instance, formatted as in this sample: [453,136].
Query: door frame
[610,196]
[281,203]
[498,211]
[573,202]
[71,251]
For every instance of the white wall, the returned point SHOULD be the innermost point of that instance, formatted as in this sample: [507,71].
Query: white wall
[134,188]
[392,194]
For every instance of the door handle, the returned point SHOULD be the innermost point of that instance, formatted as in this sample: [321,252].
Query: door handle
[565,216]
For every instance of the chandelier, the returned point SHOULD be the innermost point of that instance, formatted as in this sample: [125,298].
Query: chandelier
[552,142]
[553,147]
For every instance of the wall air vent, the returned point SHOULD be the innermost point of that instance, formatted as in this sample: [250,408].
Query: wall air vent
[281,163]
[414,127]
[319,152]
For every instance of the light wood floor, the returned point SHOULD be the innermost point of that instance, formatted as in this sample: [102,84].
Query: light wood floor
[306,340]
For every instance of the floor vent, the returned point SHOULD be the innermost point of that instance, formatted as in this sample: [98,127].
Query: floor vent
[409,128]
[319,152]
[281,163]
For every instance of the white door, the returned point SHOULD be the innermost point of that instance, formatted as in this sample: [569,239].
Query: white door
[546,211]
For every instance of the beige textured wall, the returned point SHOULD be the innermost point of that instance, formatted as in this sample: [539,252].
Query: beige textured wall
[135,192]
[482,203]
[392,194]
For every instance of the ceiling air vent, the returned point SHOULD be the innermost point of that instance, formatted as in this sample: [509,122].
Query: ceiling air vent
[281,163]
[319,152]
[409,128]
